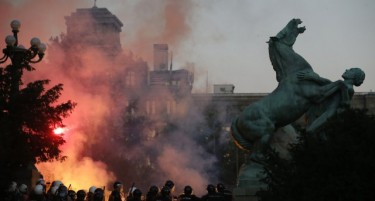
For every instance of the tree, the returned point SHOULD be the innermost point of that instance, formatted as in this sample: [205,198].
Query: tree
[337,165]
[230,158]
[28,117]
[216,142]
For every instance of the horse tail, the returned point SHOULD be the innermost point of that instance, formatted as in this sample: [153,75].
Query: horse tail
[238,139]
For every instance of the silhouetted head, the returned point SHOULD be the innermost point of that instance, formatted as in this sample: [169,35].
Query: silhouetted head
[169,184]
[98,194]
[72,194]
[220,187]
[165,191]
[81,195]
[153,190]
[117,185]
[137,193]
[62,192]
[210,188]
[188,190]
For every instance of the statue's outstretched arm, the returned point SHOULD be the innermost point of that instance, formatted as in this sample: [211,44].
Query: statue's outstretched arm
[312,76]
[318,122]
[333,96]
[328,90]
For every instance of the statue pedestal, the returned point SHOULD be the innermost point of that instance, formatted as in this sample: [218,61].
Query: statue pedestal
[248,182]
[245,194]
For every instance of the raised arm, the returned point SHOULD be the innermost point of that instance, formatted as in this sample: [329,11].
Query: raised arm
[312,76]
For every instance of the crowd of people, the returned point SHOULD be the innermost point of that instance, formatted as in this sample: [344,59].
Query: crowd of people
[59,192]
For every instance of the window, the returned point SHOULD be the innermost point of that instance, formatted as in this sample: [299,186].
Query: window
[171,107]
[150,107]
[130,78]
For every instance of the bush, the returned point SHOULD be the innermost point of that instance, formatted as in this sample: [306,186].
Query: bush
[335,164]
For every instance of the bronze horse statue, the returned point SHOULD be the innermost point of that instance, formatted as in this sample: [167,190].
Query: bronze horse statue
[299,90]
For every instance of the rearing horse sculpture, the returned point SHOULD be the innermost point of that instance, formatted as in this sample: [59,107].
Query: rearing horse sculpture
[299,90]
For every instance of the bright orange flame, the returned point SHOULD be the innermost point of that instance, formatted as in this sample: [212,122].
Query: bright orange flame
[58,131]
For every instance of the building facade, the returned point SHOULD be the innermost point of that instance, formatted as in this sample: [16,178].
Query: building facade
[161,57]
[95,26]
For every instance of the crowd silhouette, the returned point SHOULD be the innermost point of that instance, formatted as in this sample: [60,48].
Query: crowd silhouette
[57,191]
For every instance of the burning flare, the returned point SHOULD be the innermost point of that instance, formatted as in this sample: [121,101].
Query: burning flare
[59,131]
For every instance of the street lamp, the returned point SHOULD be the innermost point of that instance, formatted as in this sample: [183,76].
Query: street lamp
[18,54]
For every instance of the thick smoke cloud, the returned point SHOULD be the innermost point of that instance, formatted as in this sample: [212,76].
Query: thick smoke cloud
[85,125]
[161,22]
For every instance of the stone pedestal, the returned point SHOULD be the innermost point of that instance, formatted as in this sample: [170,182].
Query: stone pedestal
[245,194]
[251,172]
[248,182]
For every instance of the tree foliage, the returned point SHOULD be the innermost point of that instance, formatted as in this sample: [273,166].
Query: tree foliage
[336,165]
[215,140]
[28,117]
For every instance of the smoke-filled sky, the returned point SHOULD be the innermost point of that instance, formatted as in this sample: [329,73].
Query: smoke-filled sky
[227,39]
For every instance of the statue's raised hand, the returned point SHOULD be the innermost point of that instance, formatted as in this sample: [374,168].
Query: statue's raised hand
[307,75]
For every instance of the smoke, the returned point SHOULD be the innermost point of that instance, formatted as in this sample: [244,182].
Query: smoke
[95,136]
[184,168]
[159,22]
[80,172]
[85,125]
[184,161]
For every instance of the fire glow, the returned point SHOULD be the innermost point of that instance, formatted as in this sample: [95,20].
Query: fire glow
[58,131]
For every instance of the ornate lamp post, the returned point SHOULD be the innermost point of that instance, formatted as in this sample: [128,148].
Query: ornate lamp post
[11,106]
[20,56]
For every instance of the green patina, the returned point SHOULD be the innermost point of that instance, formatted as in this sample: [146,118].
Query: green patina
[300,91]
